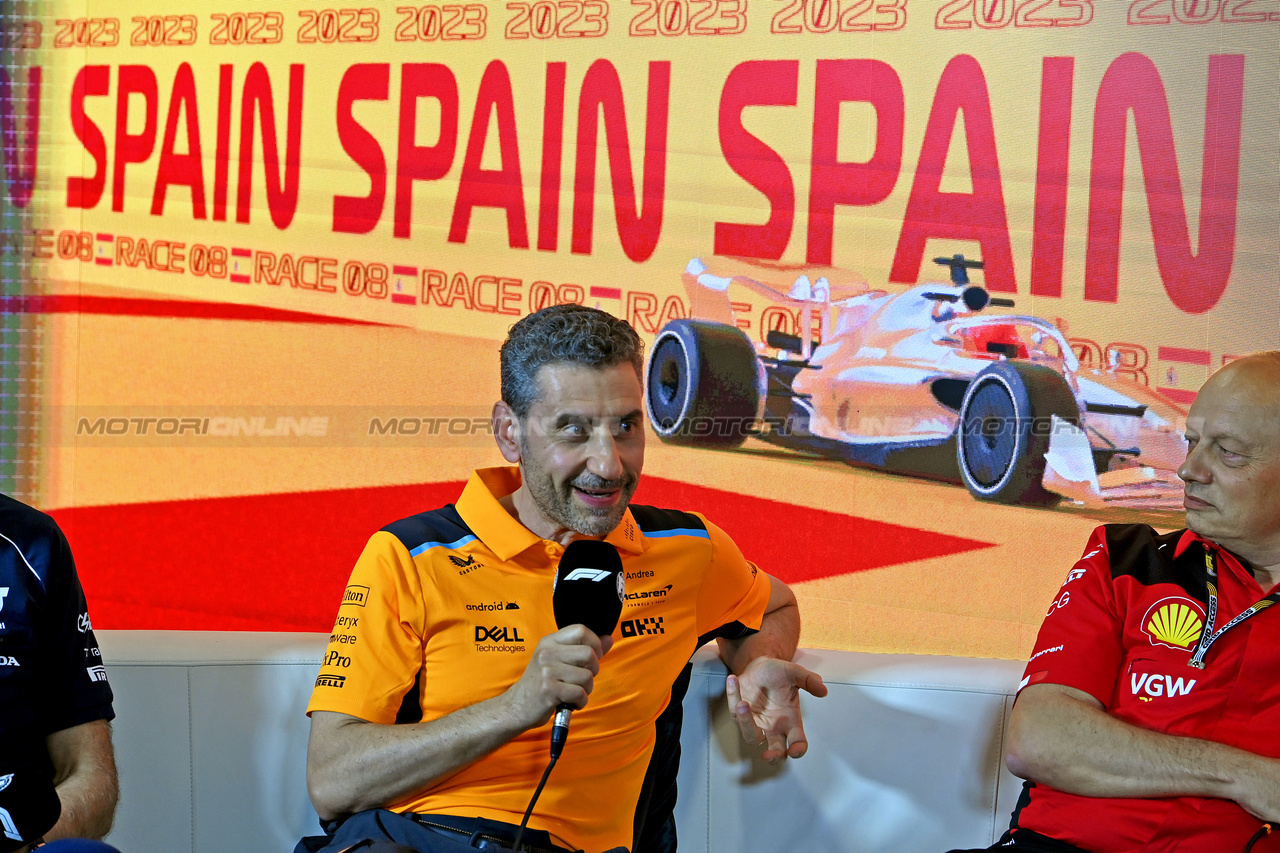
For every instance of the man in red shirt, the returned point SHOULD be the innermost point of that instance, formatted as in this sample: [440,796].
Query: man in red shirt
[1148,717]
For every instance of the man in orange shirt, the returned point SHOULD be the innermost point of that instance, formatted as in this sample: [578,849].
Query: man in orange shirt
[430,718]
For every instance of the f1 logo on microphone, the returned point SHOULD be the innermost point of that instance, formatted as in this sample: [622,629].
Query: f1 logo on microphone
[596,575]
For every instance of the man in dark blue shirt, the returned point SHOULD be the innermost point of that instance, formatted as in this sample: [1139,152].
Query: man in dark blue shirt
[55,703]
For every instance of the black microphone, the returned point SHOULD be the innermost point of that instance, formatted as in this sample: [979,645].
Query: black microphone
[589,591]
[29,807]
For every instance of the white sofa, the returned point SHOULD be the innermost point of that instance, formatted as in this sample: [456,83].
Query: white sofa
[905,752]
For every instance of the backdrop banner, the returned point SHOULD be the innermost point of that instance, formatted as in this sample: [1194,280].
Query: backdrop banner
[927,287]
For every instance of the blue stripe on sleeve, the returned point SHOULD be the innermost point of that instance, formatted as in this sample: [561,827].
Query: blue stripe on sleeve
[426,546]
[680,531]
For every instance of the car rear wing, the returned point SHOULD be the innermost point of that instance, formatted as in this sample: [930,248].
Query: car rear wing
[812,290]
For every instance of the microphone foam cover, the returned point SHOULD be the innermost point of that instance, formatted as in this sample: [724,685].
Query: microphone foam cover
[590,586]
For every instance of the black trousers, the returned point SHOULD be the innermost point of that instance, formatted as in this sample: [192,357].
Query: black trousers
[426,834]
[1026,841]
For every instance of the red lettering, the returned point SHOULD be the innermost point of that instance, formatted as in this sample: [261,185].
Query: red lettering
[417,162]
[638,225]
[459,291]
[184,169]
[1052,167]
[91,81]
[1194,281]
[832,182]
[363,82]
[500,188]
[264,264]
[21,176]
[552,151]
[222,152]
[979,215]
[43,244]
[672,309]
[433,282]
[641,307]
[125,251]
[756,83]
[282,195]
[133,147]
[509,296]
[477,293]
[287,272]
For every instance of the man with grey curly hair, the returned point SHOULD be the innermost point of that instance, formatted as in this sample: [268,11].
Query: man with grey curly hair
[563,334]
[430,721]
[553,340]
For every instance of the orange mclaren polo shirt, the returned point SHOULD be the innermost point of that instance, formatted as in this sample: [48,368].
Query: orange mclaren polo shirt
[444,609]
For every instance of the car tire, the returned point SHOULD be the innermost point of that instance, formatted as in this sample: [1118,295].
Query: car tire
[1004,431]
[702,384]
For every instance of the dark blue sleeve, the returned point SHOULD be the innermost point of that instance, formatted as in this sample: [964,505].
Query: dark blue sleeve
[71,678]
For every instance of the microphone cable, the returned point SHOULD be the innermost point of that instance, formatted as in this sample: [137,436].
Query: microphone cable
[1262,833]
[559,736]
[537,793]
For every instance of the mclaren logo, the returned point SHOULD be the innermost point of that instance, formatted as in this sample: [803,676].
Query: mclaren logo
[331,681]
[1174,622]
[649,593]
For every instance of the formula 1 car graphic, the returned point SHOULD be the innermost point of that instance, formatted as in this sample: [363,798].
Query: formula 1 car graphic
[928,382]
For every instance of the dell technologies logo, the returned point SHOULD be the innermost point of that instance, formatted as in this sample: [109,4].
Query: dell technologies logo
[498,638]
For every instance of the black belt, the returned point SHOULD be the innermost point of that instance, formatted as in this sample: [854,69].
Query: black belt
[484,834]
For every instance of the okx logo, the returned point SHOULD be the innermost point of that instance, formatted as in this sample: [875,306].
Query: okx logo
[640,627]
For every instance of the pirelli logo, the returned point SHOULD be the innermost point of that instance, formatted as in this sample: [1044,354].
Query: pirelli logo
[331,681]
[355,595]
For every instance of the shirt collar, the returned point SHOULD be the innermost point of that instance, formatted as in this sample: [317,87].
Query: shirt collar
[1189,536]
[1184,542]
[502,533]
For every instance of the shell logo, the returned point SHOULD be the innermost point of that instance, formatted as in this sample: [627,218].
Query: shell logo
[1174,622]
